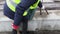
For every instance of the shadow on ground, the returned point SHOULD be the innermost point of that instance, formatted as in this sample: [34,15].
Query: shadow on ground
[38,32]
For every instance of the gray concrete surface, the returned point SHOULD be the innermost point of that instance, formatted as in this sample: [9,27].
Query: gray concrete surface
[54,16]
[49,22]
[42,22]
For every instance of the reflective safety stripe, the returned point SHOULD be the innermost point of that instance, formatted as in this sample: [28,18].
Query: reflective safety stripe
[34,5]
[12,5]
[16,1]
[25,13]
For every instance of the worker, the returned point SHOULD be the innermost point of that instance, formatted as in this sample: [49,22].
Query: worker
[20,11]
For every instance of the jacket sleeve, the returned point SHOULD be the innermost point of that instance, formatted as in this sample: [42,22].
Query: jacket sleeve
[40,4]
[20,8]
[19,14]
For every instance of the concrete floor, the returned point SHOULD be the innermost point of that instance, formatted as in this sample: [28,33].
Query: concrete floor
[42,22]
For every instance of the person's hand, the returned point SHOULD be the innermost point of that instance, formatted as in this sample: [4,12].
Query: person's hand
[43,7]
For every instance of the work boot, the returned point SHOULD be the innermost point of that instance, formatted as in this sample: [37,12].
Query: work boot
[14,31]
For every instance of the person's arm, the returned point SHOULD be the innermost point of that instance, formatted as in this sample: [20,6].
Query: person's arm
[40,4]
[20,8]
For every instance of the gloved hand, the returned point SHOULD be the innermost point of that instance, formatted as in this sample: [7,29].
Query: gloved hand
[40,4]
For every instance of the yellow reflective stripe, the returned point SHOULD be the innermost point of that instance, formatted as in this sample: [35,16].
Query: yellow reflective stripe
[16,1]
[25,13]
[10,5]
[34,5]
